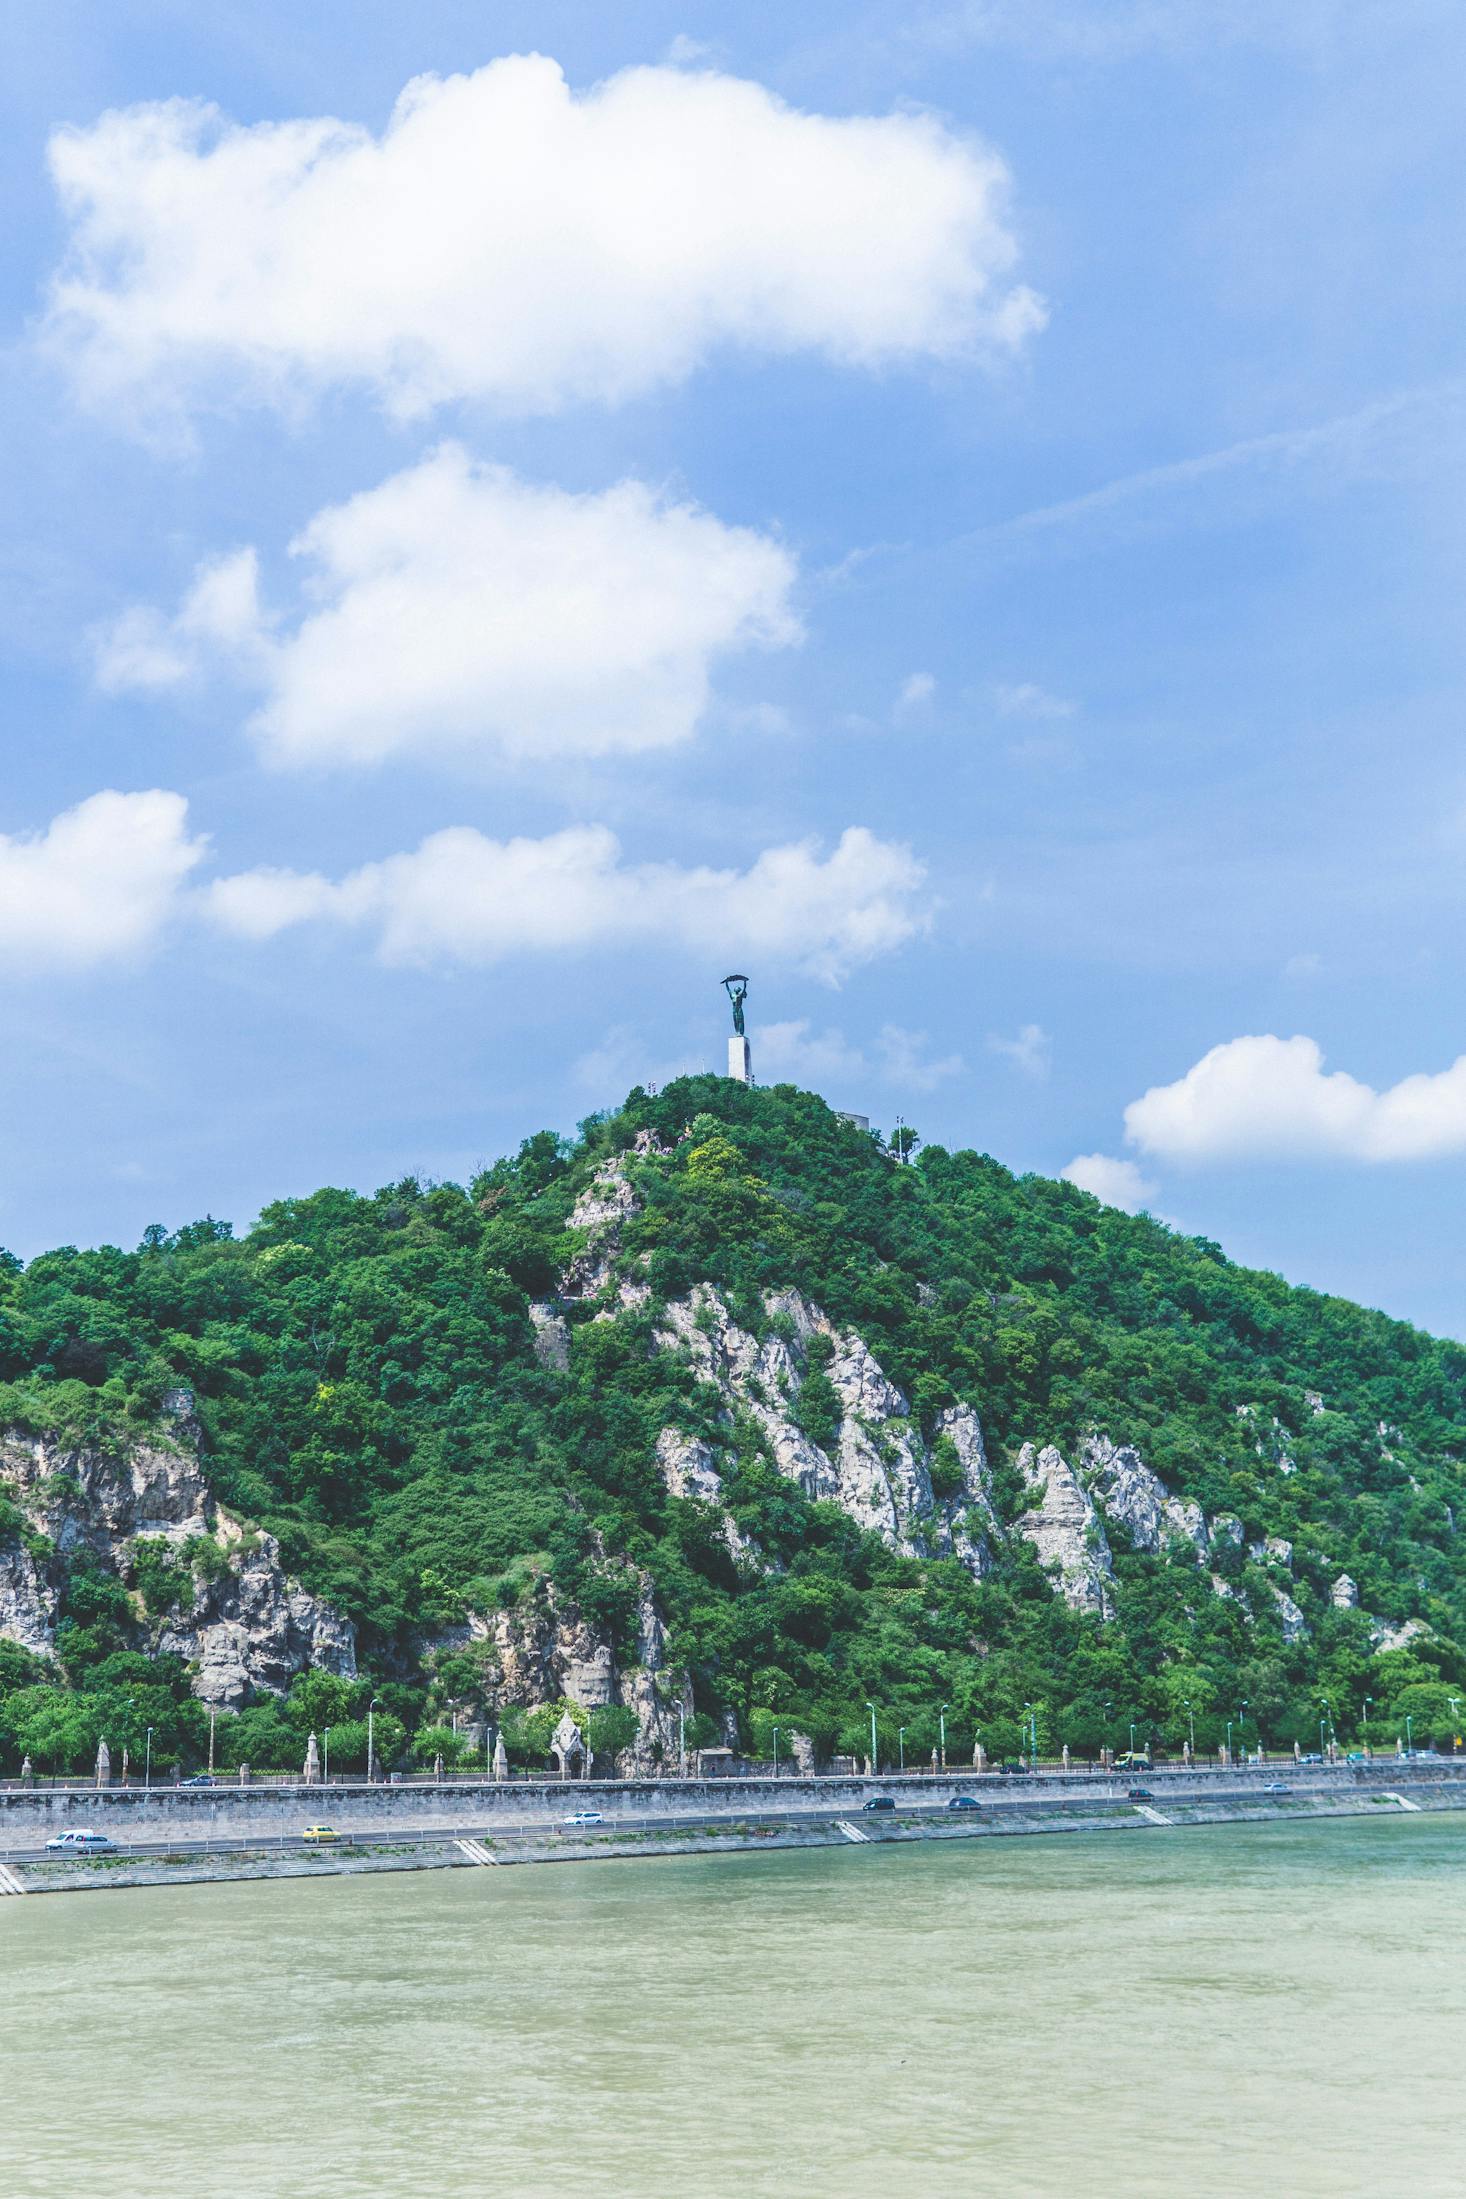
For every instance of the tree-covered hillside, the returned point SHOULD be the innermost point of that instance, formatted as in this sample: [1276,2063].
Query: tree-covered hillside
[372,1388]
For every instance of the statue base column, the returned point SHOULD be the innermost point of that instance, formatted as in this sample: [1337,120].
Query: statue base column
[740,1059]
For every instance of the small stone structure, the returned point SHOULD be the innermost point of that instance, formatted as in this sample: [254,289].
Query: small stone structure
[567,1750]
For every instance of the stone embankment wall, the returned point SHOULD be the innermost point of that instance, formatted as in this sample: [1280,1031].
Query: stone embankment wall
[234,1812]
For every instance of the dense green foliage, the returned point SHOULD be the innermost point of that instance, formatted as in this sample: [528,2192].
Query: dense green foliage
[366,1380]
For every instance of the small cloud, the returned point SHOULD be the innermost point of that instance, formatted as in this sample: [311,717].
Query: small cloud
[1031,1051]
[916,693]
[795,1053]
[904,1060]
[1117,1183]
[1303,965]
[1026,700]
[624,1059]
[691,53]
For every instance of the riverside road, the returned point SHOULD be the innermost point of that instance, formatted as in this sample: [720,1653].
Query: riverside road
[735,1806]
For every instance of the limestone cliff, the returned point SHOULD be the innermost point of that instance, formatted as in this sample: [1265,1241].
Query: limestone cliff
[542,1651]
[240,1621]
[1065,1529]
[877,1467]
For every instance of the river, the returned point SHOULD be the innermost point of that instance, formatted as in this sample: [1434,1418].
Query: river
[1242,2009]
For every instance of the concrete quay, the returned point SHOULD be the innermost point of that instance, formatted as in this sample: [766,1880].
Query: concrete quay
[230,1811]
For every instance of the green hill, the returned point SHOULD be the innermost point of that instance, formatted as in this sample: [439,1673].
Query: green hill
[716,1419]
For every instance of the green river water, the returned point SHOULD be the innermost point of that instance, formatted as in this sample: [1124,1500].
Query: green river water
[1244,2009]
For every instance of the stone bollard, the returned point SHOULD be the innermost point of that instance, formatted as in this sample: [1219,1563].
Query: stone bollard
[244,1775]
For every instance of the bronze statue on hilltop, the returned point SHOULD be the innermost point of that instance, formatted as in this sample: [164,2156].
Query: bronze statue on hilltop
[737,990]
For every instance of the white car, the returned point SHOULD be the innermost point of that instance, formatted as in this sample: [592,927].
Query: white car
[86,1843]
[584,1817]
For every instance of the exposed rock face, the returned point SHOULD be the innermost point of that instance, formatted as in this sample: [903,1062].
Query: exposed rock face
[545,1652]
[1385,1636]
[689,1468]
[1274,1548]
[1293,1623]
[28,1600]
[1226,1531]
[653,1693]
[601,1212]
[1064,1528]
[1136,1499]
[249,1628]
[1343,1594]
[548,1654]
[253,1629]
[551,1338]
[879,1468]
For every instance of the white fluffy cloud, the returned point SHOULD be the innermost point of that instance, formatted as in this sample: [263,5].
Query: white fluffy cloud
[1267,1097]
[463,897]
[98,885]
[456,606]
[1118,1183]
[509,240]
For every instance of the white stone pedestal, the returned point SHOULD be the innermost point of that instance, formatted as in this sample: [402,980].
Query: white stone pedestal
[740,1059]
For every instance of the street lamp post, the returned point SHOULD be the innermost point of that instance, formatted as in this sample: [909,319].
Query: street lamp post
[326,1757]
[1191,1723]
[1367,1701]
[681,1740]
[1242,1728]
[1409,1733]
[874,1767]
[1229,1743]
[148,1762]
[213,1715]
[942,1723]
[1455,1703]
[1028,1734]
[776,1752]
[1105,1752]
[901,1747]
[371,1738]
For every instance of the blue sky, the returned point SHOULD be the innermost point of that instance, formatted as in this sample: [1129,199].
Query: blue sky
[992,570]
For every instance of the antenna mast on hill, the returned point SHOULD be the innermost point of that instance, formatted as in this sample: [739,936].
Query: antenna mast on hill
[740,1059]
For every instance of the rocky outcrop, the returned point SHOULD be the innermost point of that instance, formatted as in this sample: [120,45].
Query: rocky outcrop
[1290,1618]
[1132,1497]
[1343,1594]
[542,1651]
[1384,1636]
[877,1468]
[241,1621]
[600,1214]
[250,1630]
[1226,1531]
[551,1334]
[28,1598]
[1064,1528]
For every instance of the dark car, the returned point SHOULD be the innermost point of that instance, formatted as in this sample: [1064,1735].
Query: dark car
[1015,1771]
[964,1802]
[1138,1794]
[879,1802]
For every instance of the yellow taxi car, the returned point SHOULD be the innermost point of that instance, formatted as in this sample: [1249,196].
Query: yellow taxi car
[320,1833]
